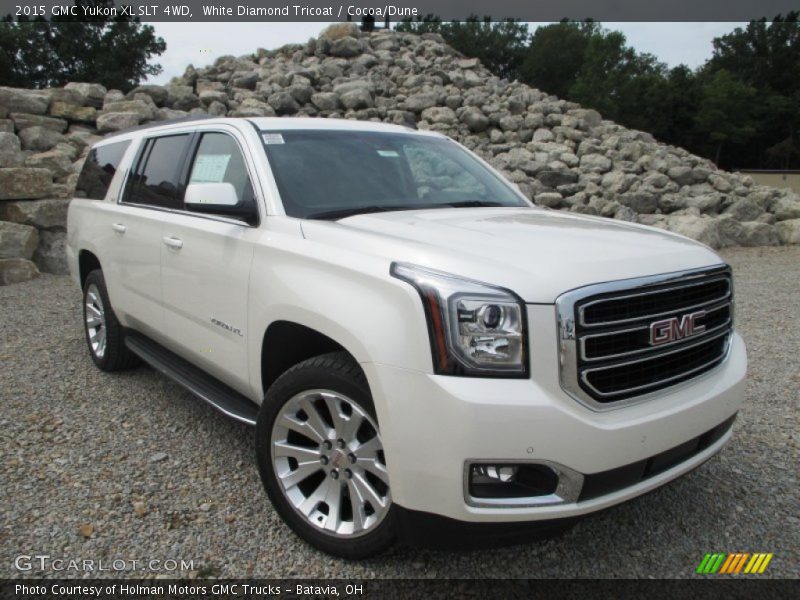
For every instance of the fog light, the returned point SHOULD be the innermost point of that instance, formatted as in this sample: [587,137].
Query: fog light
[522,480]
[493,473]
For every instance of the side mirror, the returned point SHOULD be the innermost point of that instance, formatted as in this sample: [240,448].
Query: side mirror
[202,196]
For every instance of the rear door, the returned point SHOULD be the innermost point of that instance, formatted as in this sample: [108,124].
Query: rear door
[206,258]
[152,189]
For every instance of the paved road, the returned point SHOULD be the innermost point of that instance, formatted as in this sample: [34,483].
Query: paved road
[129,466]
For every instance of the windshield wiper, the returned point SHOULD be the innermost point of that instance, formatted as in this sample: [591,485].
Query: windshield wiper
[471,204]
[358,210]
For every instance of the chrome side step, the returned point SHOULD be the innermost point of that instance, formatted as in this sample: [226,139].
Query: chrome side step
[225,399]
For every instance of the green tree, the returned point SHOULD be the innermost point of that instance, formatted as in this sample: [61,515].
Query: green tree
[500,45]
[555,56]
[114,52]
[726,113]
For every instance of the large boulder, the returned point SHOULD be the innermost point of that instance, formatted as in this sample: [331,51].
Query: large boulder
[10,150]
[49,213]
[704,229]
[158,93]
[17,270]
[25,120]
[789,231]
[17,241]
[20,183]
[35,102]
[73,112]
[91,94]
[50,255]
[40,139]
[117,121]
[58,163]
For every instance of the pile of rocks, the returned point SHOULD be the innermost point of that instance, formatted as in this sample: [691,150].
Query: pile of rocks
[561,155]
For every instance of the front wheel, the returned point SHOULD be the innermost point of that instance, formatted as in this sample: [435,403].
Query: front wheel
[321,458]
[104,334]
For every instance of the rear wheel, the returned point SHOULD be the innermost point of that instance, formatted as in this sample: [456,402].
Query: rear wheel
[104,334]
[321,458]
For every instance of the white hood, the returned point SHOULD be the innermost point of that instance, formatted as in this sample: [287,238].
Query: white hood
[539,254]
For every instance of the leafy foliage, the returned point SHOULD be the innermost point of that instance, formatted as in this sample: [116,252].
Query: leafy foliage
[499,45]
[742,108]
[111,51]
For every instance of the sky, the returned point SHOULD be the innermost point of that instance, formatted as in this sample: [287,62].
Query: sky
[201,43]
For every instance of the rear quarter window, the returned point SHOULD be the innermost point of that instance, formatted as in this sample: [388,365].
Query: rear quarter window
[99,169]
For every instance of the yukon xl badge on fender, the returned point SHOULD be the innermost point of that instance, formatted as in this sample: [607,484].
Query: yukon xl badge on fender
[227,327]
[674,328]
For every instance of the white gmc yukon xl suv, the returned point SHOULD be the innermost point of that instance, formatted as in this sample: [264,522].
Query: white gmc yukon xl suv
[424,354]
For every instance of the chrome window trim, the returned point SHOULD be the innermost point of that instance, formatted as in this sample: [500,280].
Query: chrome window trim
[570,484]
[567,346]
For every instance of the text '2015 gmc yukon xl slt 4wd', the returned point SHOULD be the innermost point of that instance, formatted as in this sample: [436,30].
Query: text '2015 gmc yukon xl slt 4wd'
[424,353]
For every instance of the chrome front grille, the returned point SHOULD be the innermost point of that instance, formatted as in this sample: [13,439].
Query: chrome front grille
[623,340]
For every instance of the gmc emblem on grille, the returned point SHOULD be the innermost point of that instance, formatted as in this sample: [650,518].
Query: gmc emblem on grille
[676,328]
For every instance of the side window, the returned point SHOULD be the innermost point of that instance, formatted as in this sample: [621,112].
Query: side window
[219,160]
[98,170]
[438,176]
[156,181]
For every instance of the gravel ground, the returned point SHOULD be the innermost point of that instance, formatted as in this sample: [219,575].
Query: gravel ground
[129,466]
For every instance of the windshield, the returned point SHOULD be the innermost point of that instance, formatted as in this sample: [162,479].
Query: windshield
[335,174]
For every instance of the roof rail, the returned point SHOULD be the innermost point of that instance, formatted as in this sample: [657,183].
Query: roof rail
[153,124]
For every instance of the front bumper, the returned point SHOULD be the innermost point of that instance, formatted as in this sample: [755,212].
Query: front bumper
[432,426]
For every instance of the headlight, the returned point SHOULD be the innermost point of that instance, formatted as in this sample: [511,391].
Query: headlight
[474,328]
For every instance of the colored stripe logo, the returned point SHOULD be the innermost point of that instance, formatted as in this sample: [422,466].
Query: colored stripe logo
[734,563]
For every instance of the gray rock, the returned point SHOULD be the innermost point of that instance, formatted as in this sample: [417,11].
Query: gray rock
[789,231]
[33,102]
[338,31]
[420,101]
[704,229]
[595,163]
[20,183]
[24,121]
[158,93]
[58,163]
[283,103]
[50,255]
[439,114]
[73,112]
[49,213]
[543,135]
[720,183]
[147,111]
[681,174]
[553,179]
[182,97]
[346,47]
[639,202]
[168,114]
[17,241]
[785,209]
[325,101]
[40,139]
[301,93]
[116,121]
[17,270]
[549,199]
[357,99]
[759,234]
[209,96]
[93,94]
[10,150]
[744,210]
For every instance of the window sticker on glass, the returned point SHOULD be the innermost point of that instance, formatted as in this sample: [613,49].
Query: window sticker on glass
[272,138]
[210,168]
[388,153]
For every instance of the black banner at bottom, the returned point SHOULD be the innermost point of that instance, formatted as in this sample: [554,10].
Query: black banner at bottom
[262,589]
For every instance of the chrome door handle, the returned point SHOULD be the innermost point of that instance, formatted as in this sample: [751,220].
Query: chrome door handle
[119,227]
[173,242]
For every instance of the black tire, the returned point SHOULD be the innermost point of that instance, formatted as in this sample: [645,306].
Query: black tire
[116,355]
[339,373]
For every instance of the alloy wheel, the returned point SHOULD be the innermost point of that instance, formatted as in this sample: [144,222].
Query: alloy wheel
[329,462]
[95,315]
